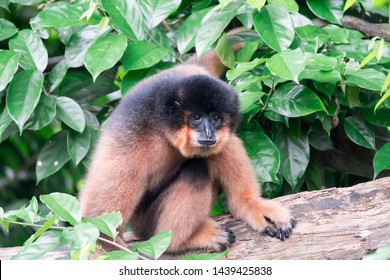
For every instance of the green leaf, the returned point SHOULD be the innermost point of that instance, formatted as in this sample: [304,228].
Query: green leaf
[287,64]
[258,4]
[383,98]
[366,78]
[44,113]
[300,20]
[321,62]
[4,4]
[360,132]
[320,140]
[212,26]
[295,155]
[247,50]
[379,117]
[107,223]
[71,113]
[310,33]
[28,214]
[65,206]
[314,175]
[357,49]
[59,15]
[212,256]
[247,99]
[79,43]
[45,227]
[155,246]
[330,10]
[386,84]
[243,67]
[225,51]
[79,86]
[82,239]
[23,96]
[348,4]
[142,54]
[321,76]
[187,32]
[121,255]
[47,242]
[25,2]
[33,52]
[8,67]
[57,74]
[7,29]
[5,120]
[274,25]
[292,100]
[338,35]
[53,156]
[104,53]
[78,145]
[382,159]
[263,154]
[155,11]
[382,253]
[290,5]
[127,17]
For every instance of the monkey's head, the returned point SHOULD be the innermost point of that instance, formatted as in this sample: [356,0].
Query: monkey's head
[201,114]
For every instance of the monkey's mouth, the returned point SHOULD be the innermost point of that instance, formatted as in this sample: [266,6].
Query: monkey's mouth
[207,142]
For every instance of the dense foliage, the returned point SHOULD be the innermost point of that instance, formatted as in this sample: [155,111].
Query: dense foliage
[314,97]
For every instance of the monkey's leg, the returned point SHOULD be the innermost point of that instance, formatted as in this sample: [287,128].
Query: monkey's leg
[233,169]
[183,207]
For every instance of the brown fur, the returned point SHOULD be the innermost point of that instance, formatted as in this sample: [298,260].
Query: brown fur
[124,176]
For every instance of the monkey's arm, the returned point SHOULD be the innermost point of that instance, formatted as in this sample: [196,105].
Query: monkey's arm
[113,183]
[233,169]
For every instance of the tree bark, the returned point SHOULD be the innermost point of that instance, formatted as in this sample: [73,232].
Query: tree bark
[337,223]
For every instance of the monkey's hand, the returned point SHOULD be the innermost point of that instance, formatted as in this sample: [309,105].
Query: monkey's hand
[280,232]
[280,220]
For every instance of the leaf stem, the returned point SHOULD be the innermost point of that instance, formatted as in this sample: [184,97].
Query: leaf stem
[269,95]
[120,247]
[2,220]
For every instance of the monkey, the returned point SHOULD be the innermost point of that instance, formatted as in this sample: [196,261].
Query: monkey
[165,149]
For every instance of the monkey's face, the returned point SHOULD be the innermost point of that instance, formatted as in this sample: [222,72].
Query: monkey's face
[200,113]
[202,135]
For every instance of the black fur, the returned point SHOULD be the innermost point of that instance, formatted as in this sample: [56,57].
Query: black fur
[160,103]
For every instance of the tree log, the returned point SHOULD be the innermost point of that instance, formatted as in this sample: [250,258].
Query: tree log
[337,223]
[367,28]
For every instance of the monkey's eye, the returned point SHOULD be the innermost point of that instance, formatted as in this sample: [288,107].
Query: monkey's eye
[197,117]
[217,118]
[195,120]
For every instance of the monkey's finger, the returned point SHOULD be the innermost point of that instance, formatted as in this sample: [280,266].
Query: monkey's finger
[293,223]
[270,231]
[280,234]
[231,236]
[221,247]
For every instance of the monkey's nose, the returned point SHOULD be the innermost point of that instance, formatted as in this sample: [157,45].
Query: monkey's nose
[207,142]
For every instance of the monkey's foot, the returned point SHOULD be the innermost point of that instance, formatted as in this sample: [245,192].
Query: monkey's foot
[227,238]
[210,235]
[281,232]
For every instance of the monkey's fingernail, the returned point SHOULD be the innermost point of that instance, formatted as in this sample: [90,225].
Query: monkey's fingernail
[270,231]
[280,234]
[293,222]
[221,247]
